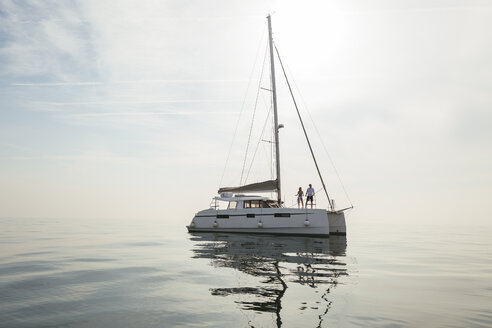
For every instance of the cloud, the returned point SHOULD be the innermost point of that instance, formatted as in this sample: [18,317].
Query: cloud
[44,39]
[98,83]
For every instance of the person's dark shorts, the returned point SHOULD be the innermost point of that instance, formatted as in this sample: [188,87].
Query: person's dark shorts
[309,198]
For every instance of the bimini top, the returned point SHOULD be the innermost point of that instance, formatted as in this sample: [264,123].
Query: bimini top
[265,186]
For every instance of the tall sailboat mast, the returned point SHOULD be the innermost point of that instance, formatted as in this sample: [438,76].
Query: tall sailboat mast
[275,117]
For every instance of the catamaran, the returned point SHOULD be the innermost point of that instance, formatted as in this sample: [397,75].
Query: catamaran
[249,213]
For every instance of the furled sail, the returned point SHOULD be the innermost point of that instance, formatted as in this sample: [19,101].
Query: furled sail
[269,185]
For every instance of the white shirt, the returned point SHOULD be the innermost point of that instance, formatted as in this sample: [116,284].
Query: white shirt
[310,191]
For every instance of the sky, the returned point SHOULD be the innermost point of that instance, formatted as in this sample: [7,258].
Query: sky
[128,109]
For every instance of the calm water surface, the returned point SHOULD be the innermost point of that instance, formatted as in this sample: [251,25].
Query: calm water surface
[66,273]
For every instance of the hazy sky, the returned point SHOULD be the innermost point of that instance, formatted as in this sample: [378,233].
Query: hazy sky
[126,109]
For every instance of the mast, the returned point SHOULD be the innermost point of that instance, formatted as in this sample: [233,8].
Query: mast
[275,117]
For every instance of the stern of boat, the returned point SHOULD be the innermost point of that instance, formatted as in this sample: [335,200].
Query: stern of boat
[336,221]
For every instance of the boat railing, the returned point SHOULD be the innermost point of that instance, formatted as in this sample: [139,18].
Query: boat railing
[294,202]
[214,204]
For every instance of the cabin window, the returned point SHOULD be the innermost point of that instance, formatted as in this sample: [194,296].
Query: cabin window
[252,203]
[282,215]
[232,205]
[257,204]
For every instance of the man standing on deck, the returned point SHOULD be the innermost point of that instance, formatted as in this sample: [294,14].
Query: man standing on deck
[310,194]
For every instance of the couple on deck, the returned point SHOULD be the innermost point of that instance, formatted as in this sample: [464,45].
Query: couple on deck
[309,196]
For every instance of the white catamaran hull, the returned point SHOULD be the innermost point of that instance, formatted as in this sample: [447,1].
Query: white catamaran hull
[284,221]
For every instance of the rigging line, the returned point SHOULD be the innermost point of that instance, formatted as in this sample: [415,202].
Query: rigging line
[304,129]
[260,139]
[322,142]
[257,145]
[252,121]
[242,106]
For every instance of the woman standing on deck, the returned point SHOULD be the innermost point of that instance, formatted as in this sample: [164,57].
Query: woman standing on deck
[299,195]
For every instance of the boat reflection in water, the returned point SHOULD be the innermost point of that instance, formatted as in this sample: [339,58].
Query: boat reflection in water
[277,263]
